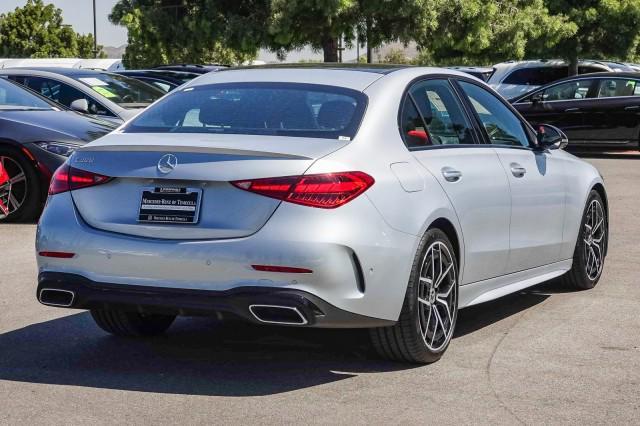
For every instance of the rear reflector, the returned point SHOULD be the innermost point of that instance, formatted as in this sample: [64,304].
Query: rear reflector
[68,178]
[327,191]
[57,254]
[287,269]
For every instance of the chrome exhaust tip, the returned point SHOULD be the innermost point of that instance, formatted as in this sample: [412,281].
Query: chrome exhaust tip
[56,297]
[276,314]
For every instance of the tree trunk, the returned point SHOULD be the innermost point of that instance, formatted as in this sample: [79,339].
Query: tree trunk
[330,49]
[369,49]
[573,63]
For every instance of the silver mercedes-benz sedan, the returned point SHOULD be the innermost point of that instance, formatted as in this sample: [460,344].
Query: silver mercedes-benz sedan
[320,197]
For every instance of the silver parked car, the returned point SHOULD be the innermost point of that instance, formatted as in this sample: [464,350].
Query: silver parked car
[513,79]
[108,96]
[379,198]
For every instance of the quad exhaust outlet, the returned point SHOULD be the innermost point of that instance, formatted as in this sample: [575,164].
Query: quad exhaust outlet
[276,314]
[56,297]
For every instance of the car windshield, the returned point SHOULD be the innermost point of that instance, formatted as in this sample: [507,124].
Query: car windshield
[124,91]
[286,109]
[13,97]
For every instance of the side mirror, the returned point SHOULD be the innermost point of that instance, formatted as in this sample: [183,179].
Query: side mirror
[80,105]
[550,137]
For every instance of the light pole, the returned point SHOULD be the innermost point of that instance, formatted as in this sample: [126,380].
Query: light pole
[95,34]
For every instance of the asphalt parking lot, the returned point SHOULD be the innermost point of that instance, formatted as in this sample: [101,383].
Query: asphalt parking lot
[541,356]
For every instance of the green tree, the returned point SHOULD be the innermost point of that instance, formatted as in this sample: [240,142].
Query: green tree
[36,30]
[384,21]
[604,29]
[190,31]
[484,32]
[294,24]
[320,23]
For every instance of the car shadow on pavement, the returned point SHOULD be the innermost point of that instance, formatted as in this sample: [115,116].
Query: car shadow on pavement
[479,316]
[202,356]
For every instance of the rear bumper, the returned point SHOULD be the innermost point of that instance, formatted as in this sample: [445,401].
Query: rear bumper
[86,294]
[359,264]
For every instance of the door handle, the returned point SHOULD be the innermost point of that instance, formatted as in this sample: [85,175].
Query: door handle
[572,110]
[517,170]
[451,174]
[632,108]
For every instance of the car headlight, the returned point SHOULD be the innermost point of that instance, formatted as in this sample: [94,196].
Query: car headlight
[59,148]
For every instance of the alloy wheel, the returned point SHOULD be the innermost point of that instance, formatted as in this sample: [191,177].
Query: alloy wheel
[13,192]
[594,234]
[437,296]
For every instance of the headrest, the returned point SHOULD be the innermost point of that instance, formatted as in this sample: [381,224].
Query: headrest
[218,112]
[335,114]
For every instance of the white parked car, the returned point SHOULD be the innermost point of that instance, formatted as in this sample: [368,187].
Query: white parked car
[514,78]
[379,198]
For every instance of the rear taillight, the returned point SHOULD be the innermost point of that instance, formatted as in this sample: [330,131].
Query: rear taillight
[67,178]
[327,191]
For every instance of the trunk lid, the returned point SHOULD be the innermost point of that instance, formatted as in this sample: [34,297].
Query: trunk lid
[205,164]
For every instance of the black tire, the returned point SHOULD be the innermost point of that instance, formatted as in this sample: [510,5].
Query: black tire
[581,276]
[31,207]
[404,341]
[131,324]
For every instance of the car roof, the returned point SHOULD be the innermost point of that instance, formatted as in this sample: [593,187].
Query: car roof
[69,72]
[194,68]
[372,68]
[347,76]
[471,68]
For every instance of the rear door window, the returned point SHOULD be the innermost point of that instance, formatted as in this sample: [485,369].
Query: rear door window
[536,76]
[617,87]
[433,115]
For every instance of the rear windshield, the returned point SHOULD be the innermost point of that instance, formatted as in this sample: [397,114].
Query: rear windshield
[286,109]
[536,76]
[124,91]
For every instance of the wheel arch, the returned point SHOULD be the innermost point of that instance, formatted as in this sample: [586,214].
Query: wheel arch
[599,188]
[449,229]
[20,149]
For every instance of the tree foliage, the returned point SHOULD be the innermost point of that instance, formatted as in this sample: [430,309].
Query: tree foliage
[320,23]
[446,31]
[485,32]
[604,29]
[294,24]
[190,31]
[36,30]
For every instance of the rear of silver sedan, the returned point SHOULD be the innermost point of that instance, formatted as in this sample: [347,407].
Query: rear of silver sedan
[202,220]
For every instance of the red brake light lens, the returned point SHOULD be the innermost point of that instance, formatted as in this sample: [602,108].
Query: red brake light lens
[327,191]
[57,254]
[67,178]
[285,269]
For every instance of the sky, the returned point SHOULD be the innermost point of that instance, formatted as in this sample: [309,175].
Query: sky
[79,14]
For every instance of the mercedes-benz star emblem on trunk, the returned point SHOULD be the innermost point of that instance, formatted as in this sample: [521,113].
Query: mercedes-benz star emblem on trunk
[167,163]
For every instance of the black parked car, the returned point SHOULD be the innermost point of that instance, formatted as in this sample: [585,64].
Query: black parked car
[165,80]
[36,137]
[601,109]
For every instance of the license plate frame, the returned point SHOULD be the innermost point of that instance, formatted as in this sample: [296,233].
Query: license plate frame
[170,205]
